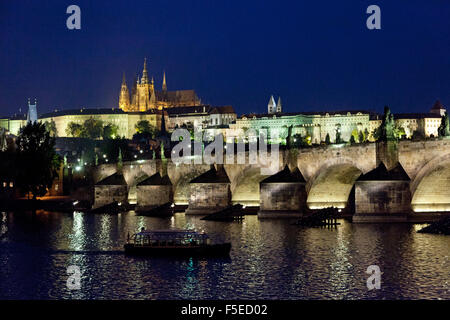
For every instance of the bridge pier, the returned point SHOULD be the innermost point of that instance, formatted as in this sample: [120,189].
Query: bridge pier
[110,189]
[283,195]
[382,195]
[209,192]
[153,192]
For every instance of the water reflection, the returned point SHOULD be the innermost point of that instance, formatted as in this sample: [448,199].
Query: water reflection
[269,259]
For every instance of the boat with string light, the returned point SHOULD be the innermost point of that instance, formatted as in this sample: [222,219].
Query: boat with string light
[174,243]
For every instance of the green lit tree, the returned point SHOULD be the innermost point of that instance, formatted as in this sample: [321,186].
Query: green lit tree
[50,126]
[399,132]
[144,126]
[110,131]
[74,129]
[92,128]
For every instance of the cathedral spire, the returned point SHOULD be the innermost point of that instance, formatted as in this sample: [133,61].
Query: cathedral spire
[164,84]
[124,97]
[144,79]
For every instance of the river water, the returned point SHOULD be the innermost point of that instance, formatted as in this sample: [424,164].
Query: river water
[270,259]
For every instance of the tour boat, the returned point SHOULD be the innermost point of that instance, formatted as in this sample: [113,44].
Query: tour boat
[175,243]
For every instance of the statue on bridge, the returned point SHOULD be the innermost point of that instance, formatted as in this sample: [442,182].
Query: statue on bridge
[387,126]
[444,128]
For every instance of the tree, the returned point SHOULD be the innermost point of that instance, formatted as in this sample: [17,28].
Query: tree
[444,128]
[399,132]
[110,131]
[143,126]
[352,139]
[93,128]
[355,135]
[361,137]
[327,139]
[366,134]
[37,159]
[74,129]
[306,141]
[50,126]
[376,133]
[338,136]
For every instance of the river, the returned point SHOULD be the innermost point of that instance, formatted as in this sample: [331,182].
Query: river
[270,259]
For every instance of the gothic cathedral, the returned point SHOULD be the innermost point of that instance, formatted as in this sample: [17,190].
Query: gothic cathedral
[144,97]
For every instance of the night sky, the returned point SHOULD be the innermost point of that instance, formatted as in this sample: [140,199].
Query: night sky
[318,55]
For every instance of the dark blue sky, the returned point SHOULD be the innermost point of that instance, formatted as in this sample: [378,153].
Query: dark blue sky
[318,55]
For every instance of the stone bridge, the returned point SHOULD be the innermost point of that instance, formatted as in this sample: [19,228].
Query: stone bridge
[330,172]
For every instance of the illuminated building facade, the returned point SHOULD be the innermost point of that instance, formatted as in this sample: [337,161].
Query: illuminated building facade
[317,125]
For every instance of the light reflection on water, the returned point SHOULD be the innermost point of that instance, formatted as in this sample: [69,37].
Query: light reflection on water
[270,259]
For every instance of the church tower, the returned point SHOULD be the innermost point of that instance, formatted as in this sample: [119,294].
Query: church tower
[271,105]
[143,97]
[279,109]
[124,97]
[32,111]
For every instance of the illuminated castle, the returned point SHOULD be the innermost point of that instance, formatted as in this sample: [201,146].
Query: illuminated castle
[144,97]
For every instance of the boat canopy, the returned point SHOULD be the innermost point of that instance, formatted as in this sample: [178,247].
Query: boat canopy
[172,234]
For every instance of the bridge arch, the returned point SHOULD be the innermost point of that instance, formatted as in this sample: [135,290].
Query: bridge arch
[430,189]
[245,186]
[180,176]
[332,184]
